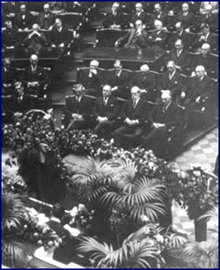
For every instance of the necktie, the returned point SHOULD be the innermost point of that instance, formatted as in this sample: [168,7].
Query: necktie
[170,76]
[178,53]
[134,104]
[105,101]
[164,108]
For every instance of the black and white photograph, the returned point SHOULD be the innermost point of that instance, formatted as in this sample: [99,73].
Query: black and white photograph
[110,134]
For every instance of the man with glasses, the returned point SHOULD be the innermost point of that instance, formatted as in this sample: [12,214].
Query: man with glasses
[135,38]
[134,113]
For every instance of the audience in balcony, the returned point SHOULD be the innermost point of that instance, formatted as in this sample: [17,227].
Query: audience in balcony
[35,77]
[114,18]
[105,111]
[78,109]
[46,19]
[136,38]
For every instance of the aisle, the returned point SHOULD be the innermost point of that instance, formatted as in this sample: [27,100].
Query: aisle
[203,153]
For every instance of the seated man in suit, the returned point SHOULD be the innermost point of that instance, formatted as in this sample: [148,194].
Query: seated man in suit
[138,15]
[205,37]
[8,77]
[10,37]
[159,35]
[146,81]
[60,37]
[185,16]
[78,109]
[114,19]
[163,116]
[105,111]
[171,80]
[196,92]
[35,40]
[91,79]
[209,18]
[23,19]
[205,59]
[118,79]
[35,77]
[134,39]
[46,19]
[159,14]
[180,56]
[134,113]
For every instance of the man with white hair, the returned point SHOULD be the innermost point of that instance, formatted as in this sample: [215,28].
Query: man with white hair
[146,81]
[205,59]
[196,91]
[164,116]
[35,40]
[134,113]
[46,19]
[35,77]
[91,79]
[209,18]
[159,35]
[135,38]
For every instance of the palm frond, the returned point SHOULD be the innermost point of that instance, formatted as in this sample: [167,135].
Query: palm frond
[110,198]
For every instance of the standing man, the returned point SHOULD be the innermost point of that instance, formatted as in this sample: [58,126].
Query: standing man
[133,115]
[105,111]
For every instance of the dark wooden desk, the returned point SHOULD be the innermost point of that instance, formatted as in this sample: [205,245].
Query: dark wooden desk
[131,57]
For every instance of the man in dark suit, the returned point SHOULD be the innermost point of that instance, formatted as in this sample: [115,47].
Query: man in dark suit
[159,14]
[134,39]
[118,79]
[205,37]
[196,92]
[138,15]
[114,19]
[35,40]
[205,59]
[180,34]
[159,35]
[146,81]
[23,19]
[46,19]
[180,56]
[105,111]
[60,37]
[163,116]
[8,77]
[10,36]
[91,79]
[10,9]
[171,80]
[134,113]
[209,18]
[34,77]
[185,16]
[78,109]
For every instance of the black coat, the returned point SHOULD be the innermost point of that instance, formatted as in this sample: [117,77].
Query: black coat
[83,108]
[93,82]
[110,110]
[170,117]
[209,62]
[24,23]
[40,76]
[183,60]
[131,39]
[26,104]
[187,21]
[10,38]
[138,113]
[186,38]
[158,34]
[111,19]
[58,38]
[44,22]
[142,17]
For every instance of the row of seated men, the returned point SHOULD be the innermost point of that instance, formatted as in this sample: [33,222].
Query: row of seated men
[35,40]
[169,15]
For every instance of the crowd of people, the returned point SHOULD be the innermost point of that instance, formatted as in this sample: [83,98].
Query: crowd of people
[139,104]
